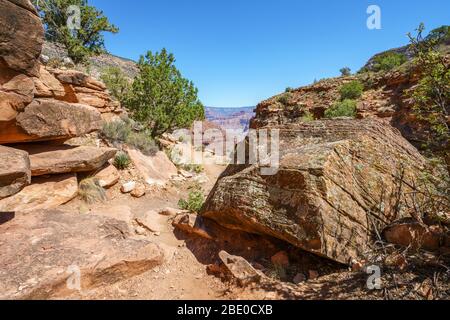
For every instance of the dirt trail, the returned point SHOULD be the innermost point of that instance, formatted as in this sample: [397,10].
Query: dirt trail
[181,276]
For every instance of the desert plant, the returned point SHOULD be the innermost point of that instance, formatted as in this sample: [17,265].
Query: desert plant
[285,98]
[142,141]
[90,190]
[195,201]
[307,117]
[388,61]
[351,90]
[346,108]
[346,71]
[116,131]
[431,96]
[160,98]
[289,89]
[122,160]
[197,168]
[82,42]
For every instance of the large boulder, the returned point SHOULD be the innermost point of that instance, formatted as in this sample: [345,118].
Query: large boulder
[44,120]
[14,171]
[65,159]
[156,169]
[21,35]
[52,254]
[336,180]
[43,193]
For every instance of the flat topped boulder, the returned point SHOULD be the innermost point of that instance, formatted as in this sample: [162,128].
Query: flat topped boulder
[155,169]
[14,171]
[64,159]
[335,180]
[44,120]
[43,193]
[52,254]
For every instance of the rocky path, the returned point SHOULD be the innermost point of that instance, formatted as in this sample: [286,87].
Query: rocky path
[181,276]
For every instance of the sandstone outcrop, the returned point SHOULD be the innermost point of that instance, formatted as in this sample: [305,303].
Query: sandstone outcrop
[65,159]
[21,36]
[386,96]
[155,170]
[333,178]
[43,193]
[14,171]
[96,251]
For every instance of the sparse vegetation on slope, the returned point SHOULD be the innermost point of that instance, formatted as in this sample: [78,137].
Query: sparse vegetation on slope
[81,42]
[194,201]
[431,96]
[345,108]
[352,90]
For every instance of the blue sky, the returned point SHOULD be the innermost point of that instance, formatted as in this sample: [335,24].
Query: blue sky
[239,52]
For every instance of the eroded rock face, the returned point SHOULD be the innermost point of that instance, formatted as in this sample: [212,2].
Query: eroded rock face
[65,159]
[332,179]
[43,193]
[21,35]
[42,250]
[14,171]
[44,120]
[16,92]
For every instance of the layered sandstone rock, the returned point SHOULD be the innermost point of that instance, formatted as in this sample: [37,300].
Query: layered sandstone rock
[336,179]
[48,249]
[39,103]
[14,171]
[21,35]
[65,159]
[44,120]
[43,193]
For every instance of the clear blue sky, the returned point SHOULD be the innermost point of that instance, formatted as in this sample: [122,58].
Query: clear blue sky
[239,52]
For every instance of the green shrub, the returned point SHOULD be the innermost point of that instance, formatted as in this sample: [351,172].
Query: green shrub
[81,43]
[285,98]
[143,142]
[116,131]
[116,82]
[90,191]
[346,71]
[352,90]
[346,108]
[123,131]
[194,202]
[122,160]
[308,117]
[388,61]
[197,168]
[289,89]
[161,98]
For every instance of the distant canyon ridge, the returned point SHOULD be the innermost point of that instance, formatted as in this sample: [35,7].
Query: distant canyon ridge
[231,118]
